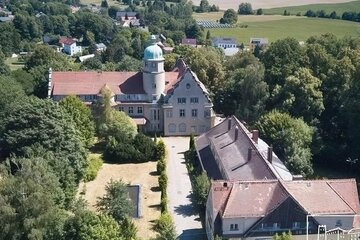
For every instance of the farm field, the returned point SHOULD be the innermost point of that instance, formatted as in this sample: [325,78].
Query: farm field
[328,8]
[142,174]
[300,28]
[226,4]
[242,18]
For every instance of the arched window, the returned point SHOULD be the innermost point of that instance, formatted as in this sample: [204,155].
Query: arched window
[172,127]
[182,127]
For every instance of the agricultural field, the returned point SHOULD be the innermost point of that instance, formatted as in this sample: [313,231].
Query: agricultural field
[328,8]
[276,27]
[265,4]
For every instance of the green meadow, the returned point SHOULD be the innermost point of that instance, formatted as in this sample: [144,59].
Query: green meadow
[276,27]
[328,8]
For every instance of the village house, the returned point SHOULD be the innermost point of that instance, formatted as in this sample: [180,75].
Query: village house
[229,45]
[69,46]
[189,42]
[253,195]
[174,103]
[258,42]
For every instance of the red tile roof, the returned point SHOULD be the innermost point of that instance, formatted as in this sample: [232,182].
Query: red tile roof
[325,196]
[258,198]
[66,41]
[90,83]
[254,199]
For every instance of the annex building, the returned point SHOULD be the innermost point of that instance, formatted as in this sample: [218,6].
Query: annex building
[174,103]
[253,195]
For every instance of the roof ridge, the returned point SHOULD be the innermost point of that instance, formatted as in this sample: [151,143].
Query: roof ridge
[342,198]
[290,195]
[269,166]
[228,199]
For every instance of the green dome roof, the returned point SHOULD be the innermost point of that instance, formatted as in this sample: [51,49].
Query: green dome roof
[153,52]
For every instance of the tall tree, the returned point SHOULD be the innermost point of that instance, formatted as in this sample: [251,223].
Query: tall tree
[301,96]
[86,225]
[116,202]
[82,118]
[29,202]
[230,17]
[291,139]
[245,9]
[207,63]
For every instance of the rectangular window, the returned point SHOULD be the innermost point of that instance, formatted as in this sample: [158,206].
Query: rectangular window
[296,224]
[194,100]
[194,112]
[207,113]
[169,113]
[275,225]
[121,109]
[182,113]
[140,110]
[234,227]
[131,110]
[182,100]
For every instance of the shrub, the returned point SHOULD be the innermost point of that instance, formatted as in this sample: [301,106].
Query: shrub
[201,187]
[163,179]
[160,166]
[192,142]
[160,150]
[165,227]
[145,146]
[95,163]
[163,204]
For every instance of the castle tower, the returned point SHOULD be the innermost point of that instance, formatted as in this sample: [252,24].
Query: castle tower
[153,71]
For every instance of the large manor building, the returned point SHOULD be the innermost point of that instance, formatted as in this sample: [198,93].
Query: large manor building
[174,103]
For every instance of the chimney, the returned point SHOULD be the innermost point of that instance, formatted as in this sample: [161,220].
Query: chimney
[255,136]
[225,184]
[236,134]
[270,154]
[229,124]
[249,154]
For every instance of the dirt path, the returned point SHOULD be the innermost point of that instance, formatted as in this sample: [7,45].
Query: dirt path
[226,4]
[142,174]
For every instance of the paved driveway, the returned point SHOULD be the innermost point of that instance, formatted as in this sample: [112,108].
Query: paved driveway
[186,218]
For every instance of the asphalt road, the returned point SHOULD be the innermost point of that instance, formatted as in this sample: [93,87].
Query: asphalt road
[186,217]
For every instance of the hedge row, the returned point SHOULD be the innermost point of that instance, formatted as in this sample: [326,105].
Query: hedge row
[164,225]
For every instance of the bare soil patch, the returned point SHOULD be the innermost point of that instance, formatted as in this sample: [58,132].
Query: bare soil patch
[142,174]
[226,4]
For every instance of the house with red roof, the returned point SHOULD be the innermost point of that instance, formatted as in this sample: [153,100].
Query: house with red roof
[175,103]
[254,196]
[69,46]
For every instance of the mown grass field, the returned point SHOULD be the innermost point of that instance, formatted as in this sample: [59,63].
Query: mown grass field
[328,8]
[14,63]
[276,27]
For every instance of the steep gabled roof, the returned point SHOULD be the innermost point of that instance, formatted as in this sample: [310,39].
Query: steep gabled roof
[187,72]
[231,154]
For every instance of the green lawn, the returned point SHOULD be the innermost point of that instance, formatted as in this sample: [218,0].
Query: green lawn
[328,8]
[14,63]
[300,28]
